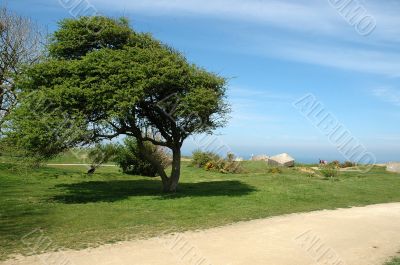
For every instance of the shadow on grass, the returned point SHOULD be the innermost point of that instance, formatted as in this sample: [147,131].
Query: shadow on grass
[115,190]
[16,222]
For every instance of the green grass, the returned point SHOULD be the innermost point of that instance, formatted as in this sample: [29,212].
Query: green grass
[74,210]
[394,261]
[75,156]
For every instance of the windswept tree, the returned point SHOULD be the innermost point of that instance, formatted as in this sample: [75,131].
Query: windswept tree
[20,44]
[103,80]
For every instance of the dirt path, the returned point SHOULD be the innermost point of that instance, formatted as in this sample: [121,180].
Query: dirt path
[79,165]
[356,236]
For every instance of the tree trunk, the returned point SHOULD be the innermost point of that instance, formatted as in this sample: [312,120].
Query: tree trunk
[173,181]
[154,163]
[170,184]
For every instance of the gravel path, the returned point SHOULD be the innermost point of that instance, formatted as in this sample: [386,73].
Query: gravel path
[354,236]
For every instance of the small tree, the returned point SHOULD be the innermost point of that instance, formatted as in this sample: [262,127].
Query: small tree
[103,80]
[20,44]
[101,154]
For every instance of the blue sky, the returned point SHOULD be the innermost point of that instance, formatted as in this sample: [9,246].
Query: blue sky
[275,52]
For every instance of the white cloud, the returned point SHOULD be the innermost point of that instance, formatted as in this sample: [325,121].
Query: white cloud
[388,94]
[312,16]
[352,58]
[291,14]
[308,22]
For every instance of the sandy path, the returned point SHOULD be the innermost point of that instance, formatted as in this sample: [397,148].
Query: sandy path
[356,236]
[79,165]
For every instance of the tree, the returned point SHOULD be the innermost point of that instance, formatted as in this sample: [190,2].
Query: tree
[20,44]
[112,81]
[101,154]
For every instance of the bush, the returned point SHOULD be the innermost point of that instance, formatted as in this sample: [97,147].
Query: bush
[210,165]
[132,161]
[347,164]
[335,163]
[200,159]
[232,167]
[275,170]
[329,172]
[101,154]
[211,161]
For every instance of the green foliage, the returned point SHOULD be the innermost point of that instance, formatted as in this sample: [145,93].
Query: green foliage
[231,167]
[11,153]
[102,153]
[212,161]
[75,38]
[394,261]
[132,161]
[275,170]
[335,163]
[329,172]
[347,164]
[102,80]
[200,158]
[41,133]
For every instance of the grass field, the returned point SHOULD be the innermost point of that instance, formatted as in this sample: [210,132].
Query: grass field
[75,156]
[76,211]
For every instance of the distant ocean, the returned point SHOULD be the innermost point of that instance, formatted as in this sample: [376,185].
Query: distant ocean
[380,158]
[315,160]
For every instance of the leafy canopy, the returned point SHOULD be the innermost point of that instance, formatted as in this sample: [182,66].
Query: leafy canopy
[102,79]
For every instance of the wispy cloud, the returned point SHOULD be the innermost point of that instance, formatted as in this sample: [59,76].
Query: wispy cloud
[252,106]
[359,59]
[288,13]
[318,33]
[311,16]
[388,94]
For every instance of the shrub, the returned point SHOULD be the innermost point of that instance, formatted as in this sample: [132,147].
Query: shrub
[211,161]
[132,161]
[229,165]
[335,163]
[329,172]
[232,167]
[230,157]
[347,164]
[275,170]
[100,154]
[210,165]
[200,159]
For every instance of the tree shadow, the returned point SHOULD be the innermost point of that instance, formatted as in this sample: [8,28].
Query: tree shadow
[115,190]
[20,225]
